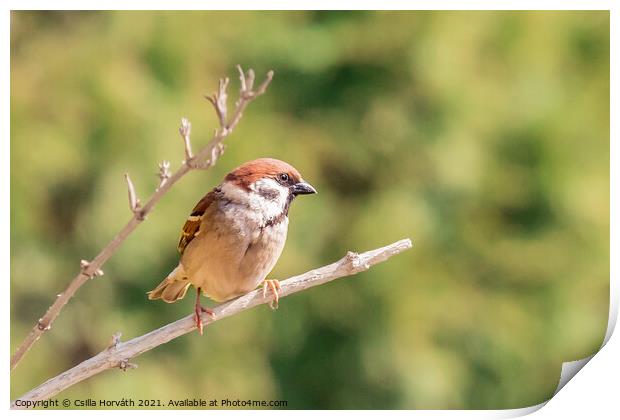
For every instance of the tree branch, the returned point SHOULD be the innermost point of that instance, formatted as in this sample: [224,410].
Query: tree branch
[118,354]
[204,159]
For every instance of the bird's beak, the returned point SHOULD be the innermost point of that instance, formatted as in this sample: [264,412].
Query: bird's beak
[302,188]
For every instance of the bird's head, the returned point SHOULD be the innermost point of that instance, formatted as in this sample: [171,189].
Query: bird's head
[266,184]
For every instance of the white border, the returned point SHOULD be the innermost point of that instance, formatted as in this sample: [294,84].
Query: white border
[596,384]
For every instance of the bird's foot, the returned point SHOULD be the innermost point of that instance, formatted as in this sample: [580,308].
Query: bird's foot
[275,287]
[198,311]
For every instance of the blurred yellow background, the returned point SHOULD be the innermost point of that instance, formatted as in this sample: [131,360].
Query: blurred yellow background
[483,136]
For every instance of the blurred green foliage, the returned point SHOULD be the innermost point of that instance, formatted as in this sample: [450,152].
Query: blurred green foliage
[484,136]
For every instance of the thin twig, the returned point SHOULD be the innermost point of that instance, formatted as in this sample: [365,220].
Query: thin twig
[119,354]
[246,94]
[134,201]
[219,99]
[204,159]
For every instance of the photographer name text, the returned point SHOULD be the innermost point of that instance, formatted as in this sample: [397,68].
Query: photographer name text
[145,403]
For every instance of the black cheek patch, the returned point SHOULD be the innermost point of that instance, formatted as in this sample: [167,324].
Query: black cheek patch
[269,193]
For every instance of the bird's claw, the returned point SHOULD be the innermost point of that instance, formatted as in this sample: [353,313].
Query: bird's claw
[198,311]
[275,287]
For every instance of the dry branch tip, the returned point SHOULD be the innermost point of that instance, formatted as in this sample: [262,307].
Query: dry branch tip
[219,101]
[263,87]
[185,130]
[134,201]
[163,174]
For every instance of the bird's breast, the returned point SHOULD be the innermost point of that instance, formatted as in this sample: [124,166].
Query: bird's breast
[234,252]
[262,254]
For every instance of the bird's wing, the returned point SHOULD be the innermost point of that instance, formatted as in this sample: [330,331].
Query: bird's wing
[191,228]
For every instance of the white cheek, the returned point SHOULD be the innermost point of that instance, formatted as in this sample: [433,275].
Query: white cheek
[234,193]
[267,207]
[270,206]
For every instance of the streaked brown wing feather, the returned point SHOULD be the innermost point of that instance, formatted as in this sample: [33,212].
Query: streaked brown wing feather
[191,228]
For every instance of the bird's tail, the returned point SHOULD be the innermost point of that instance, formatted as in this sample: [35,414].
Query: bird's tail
[172,288]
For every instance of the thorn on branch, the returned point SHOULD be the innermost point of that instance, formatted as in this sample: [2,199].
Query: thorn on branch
[85,265]
[164,173]
[42,325]
[116,340]
[134,201]
[185,130]
[126,364]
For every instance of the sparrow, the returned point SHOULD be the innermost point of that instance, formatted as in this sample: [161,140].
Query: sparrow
[234,236]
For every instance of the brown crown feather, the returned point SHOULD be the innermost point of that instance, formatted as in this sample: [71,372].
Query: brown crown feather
[251,171]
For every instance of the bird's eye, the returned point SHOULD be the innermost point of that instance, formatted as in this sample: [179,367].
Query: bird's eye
[283,177]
